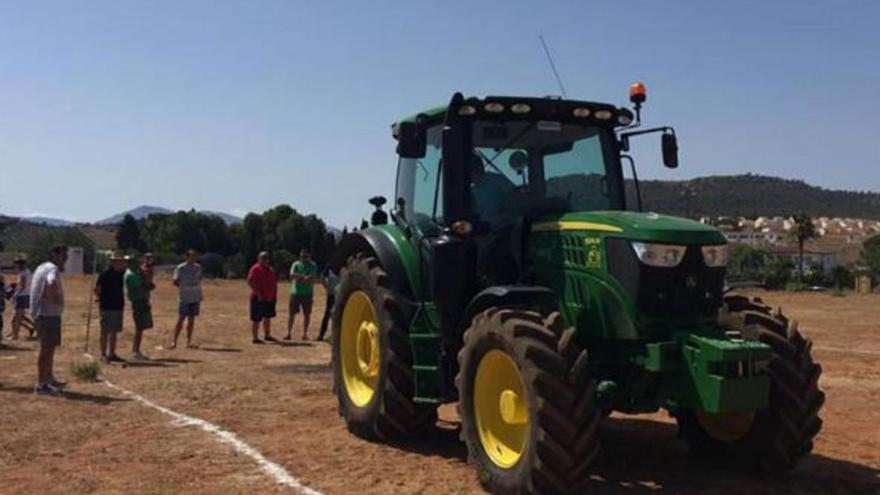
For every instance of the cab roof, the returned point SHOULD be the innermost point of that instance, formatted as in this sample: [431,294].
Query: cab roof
[548,108]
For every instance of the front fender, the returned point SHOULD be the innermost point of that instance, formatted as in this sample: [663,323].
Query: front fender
[509,295]
[389,244]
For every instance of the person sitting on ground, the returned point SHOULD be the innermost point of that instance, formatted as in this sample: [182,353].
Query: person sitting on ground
[303,275]
[141,311]
[111,302]
[47,306]
[188,280]
[21,297]
[331,280]
[264,294]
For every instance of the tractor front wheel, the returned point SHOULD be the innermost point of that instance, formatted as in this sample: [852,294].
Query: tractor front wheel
[527,403]
[775,438]
[372,360]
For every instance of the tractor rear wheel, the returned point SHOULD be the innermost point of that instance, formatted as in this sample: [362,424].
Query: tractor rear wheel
[527,403]
[775,438]
[372,358]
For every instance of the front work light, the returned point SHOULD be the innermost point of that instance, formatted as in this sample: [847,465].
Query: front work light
[520,108]
[467,110]
[493,107]
[715,256]
[659,255]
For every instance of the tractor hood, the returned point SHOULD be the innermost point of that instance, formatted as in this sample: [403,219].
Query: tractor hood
[637,226]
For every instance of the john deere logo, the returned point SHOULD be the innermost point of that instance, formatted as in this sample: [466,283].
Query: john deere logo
[690,282]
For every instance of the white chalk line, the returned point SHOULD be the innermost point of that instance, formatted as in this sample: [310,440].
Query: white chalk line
[275,471]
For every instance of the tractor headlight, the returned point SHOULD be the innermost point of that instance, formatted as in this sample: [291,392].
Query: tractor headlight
[715,256]
[660,255]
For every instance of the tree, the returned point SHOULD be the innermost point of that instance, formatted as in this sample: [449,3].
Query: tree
[39,249]
[747,263]
[802,231]
[871,255]
[129,234]
[252,240]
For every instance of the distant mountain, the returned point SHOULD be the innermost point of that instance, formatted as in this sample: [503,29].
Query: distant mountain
[138,213]
[144,211]
[52,222]
[751,196]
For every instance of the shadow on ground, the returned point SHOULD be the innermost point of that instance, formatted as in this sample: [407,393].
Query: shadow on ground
[219,349]
[176,360]
[302,369]
[642,456]
[68,395]
[289,343]
[155,363]
[11,348]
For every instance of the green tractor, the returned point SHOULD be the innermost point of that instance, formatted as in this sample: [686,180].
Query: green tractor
[514,278]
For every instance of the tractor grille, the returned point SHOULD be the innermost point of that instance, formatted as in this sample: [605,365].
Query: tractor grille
[690,289]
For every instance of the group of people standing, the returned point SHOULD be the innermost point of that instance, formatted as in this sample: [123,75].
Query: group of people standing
[304,275]
[42,294]
[127,274]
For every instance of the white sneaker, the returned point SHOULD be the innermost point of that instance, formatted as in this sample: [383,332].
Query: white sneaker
[139,357]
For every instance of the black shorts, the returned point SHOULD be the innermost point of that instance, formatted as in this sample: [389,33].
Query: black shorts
[297,302]
[49,330]
[111,321]
[142,313]
[262,310]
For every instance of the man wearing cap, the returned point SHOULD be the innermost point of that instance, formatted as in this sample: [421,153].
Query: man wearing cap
[264,294]
[47,306]
[111,302]
[21,296]
[139,295]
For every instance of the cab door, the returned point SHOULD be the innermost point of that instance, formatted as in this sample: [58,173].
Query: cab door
[419,201]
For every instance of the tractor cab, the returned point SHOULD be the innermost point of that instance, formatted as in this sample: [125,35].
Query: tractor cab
[489,170]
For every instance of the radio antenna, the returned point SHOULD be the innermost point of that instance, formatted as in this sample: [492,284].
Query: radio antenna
[552,65]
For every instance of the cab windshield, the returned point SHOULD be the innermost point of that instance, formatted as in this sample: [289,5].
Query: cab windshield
[521,168]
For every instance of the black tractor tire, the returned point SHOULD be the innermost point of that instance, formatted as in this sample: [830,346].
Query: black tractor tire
[391,413]
[783,433]
[562,439]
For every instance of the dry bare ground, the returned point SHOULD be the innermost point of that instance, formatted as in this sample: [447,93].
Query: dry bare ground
[278,399]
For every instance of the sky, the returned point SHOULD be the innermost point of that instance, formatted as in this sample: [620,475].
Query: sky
[239,106]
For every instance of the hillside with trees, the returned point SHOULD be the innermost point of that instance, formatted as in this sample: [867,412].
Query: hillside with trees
[228,250]
[752,196]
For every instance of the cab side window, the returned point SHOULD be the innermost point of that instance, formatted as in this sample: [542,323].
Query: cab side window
[419,188]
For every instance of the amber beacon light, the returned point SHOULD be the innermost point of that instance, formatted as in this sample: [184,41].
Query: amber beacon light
[638,93]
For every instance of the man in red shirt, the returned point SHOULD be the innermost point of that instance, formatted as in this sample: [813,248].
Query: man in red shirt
[264,289]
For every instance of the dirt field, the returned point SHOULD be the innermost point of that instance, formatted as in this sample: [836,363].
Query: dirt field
[278,400]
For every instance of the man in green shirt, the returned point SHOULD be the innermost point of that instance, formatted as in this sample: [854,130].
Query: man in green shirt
[139,294]
[303,275]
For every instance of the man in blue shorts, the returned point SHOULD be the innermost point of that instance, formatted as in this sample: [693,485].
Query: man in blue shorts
[188,279]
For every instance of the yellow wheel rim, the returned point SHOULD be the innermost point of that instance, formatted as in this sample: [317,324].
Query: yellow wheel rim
[501,408]
[725,427]
[359,348]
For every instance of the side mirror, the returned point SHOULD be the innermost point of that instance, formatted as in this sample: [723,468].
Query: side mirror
[412,140]
[669,144]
